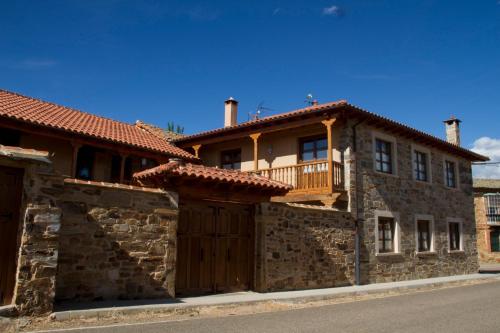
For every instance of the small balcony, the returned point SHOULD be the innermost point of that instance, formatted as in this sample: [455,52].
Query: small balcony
[311,177]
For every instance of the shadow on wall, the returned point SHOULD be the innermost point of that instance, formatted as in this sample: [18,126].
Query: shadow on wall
[305,248]
[114,253]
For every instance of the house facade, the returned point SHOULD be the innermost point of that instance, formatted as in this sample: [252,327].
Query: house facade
[324,196]
[487,212]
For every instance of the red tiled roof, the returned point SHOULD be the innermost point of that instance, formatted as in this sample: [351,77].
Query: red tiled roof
[38,112]
[337,106]
[210,173]
[157,131]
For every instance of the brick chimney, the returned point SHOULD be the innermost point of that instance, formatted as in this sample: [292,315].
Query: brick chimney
[453,130]
[230,112]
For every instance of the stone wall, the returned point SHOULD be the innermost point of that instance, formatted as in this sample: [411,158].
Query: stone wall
[483,233]
[301,247]
[116,244]
[402,195]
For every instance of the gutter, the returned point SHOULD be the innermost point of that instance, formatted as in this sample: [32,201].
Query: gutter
[357,220]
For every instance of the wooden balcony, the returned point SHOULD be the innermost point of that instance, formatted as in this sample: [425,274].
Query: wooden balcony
[312,177]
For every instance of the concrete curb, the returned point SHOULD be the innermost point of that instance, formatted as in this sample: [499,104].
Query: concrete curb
[191,305]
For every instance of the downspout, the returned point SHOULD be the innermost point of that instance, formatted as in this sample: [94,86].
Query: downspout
[357,237]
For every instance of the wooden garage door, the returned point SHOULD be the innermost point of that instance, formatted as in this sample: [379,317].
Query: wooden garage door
[214,249]
[10,201]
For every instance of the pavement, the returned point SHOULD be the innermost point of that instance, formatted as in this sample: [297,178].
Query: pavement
[470,308]
[113,308]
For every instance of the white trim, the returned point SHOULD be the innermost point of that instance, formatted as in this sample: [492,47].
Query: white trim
[425,217]
[397,238]
[394,152]
[426,151]
[460,222]
[457,175]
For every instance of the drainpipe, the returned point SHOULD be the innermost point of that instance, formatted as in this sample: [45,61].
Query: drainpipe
[357,237]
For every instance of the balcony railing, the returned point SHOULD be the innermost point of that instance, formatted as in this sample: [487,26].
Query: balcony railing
[307,176]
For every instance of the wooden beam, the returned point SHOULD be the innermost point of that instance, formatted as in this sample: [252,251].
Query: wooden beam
[255,138]
[329,123]
[196,149]
[76,147]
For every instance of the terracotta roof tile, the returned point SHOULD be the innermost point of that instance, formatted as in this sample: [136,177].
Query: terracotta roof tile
[210,173]
[334,107]
[484,183]
[35,111]
[157,131]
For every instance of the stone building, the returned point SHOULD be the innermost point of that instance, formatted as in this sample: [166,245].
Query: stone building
[487,209]
[324,196]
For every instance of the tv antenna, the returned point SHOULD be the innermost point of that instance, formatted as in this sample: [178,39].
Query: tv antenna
[259,110]
[309,100]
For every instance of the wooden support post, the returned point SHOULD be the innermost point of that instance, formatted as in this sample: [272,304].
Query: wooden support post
[74,160]
[196,149]
[255,138]
[122,167]
[328,123]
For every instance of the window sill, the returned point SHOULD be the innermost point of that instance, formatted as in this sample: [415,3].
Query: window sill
[456,252]
[394,175]
[425,182]
[389,254]
[426,254]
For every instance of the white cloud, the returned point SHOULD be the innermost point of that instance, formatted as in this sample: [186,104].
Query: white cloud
[489,147]
[332,11]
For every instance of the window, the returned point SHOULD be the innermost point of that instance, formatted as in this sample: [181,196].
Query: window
[492,206]
[420,162]
[450,174]
[85,163]
[495,241]
[386,234]
[231,159]
[424,236]
[454,236]
[383,156]
[313,149]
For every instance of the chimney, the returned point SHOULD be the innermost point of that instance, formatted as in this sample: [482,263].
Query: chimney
[453,130]
[230,112]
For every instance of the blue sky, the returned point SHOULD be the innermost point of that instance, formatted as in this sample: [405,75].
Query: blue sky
[415,61]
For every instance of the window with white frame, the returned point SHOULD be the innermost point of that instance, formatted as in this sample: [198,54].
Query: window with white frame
[450,173]
[387,233]
[421,165]
[455,235]
[424,228]
[492,206]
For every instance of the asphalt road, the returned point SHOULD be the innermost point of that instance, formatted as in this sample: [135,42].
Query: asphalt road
[473,308]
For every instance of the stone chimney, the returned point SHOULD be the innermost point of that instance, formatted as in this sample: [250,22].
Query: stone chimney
[230,112]
[453,130]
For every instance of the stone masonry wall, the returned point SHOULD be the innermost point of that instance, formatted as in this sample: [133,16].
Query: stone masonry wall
[300,247]
[402,195]
[116,244]
[483,233]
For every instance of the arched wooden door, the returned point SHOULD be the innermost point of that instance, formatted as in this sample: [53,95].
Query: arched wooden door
[215,246]
[11,182]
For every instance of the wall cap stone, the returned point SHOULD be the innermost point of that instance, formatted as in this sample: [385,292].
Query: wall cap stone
[113,186]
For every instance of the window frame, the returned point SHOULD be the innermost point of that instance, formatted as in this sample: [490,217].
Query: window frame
[315,150]
[430,219]
[239,150]
[428,163]
[494,231]
[394,153]
[445,174]
[397,230]
[492,218]
[458,221]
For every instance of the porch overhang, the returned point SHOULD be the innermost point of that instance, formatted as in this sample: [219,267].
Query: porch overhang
[209,183]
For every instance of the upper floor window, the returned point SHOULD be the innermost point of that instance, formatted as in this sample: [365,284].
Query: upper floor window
[492,207]
[231,159]
[313,149]
[420,165]
[450,172]
[85,163]
[383,156]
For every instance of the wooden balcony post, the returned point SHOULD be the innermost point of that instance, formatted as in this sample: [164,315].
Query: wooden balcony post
[74,160]
[329,123]
[255,138]
[122,167]
[196,149]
